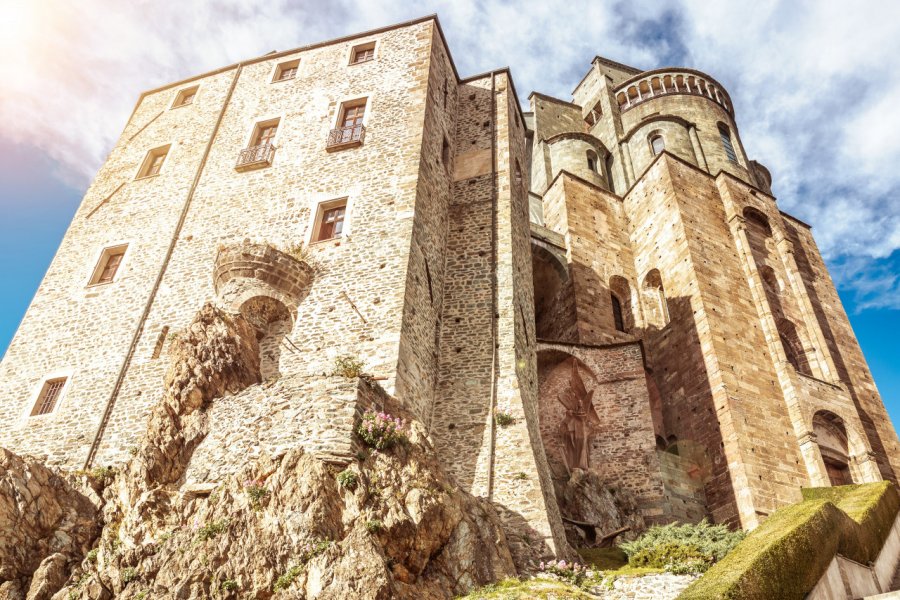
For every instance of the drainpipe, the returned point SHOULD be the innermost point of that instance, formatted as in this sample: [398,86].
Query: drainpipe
[107,411]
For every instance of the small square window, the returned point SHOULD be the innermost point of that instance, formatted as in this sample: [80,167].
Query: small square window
[330,220]
[108,265]
[362,53]
[153,162]
[286,70]
[185,97]
[49,396]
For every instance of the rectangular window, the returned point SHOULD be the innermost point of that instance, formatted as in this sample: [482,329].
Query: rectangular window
[286,70]
[153,163]
[48,397]
[108,266]
[330,222]
[352,114]
[726,143]
[362,53]
[185,97]
[350,130]
[265,134]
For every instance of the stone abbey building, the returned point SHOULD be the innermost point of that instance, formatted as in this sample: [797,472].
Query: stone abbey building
[612,273]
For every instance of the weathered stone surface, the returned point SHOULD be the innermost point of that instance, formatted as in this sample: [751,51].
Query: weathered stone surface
[585,497]
[46,524]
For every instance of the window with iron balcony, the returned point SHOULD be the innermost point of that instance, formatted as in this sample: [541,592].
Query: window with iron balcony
[262,147]
[350,130]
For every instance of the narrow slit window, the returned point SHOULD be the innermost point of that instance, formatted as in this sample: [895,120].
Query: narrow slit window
[160,342]
[49,396]
[108,266]
[618,317]
[725,133]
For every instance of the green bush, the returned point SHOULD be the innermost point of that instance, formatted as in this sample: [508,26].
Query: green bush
[348,479]
[374,526]
[208,532]
[673,557]
[229,585]
[348,366]
[703,541]
[92,555]
[129,574]
[503,418]
[381,431]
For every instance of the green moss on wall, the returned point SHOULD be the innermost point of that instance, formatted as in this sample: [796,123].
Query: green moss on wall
[786,556]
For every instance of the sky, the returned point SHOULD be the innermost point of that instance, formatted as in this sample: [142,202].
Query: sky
[815,84]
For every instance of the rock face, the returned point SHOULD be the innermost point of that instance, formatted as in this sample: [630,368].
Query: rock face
[46,526]
[391,526]
[584,498]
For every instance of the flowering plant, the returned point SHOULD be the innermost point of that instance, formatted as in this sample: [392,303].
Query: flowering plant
[380,430]
[256,490]
[570,572]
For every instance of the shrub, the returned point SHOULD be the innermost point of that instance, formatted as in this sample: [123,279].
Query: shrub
[229,585]
[208,532]
[103,474]
[673,557]
[374,526]
[348,366]
[681,546]
[256,491]
[129,574]
[307,552]
[298,251]
[503,418]
[92,555]
[347,479]
[140,595]
[381,430]
[520,476]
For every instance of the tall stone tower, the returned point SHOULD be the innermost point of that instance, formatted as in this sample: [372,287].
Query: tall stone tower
[654,236]
[643,314]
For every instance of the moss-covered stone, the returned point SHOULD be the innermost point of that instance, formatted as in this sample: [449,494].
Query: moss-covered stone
[787,555]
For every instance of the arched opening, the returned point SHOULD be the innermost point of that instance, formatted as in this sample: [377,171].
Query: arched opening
[552,318]
[757,221]
[655,297]
[727,145]
[770,279]
[592,161]
[273,322]
[620,297]
[609,173]
[831,436]
[793,346]
[657,144]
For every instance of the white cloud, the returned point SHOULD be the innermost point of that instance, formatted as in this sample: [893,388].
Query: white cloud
[815,84]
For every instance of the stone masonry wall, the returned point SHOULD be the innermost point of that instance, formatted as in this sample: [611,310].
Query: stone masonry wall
[623,446]
[356,297]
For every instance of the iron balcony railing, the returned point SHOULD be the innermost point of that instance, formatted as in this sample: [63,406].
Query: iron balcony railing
[255,157]
[346,136]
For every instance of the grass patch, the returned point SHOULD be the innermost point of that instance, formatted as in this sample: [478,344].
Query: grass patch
[786,555]
[536,588]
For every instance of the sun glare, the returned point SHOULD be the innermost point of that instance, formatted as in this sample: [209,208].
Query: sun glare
[18,21]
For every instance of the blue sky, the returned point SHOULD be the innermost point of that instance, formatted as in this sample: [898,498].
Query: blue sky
[815,87]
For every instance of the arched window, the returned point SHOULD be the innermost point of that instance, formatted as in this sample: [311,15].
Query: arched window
[620,293]
[592,161]
[757,220]
[793,346]
[618,317]
[725,134]
[657,144]
[609,173]
[655,297]
[770,279]
[831,435]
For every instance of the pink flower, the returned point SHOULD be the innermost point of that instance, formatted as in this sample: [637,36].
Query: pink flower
[542,565]
[562,564]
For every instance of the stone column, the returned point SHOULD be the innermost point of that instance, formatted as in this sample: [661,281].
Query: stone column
[698,149]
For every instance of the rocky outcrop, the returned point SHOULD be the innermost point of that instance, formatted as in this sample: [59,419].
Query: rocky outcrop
[46,527]
[585,498]
[389,525]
